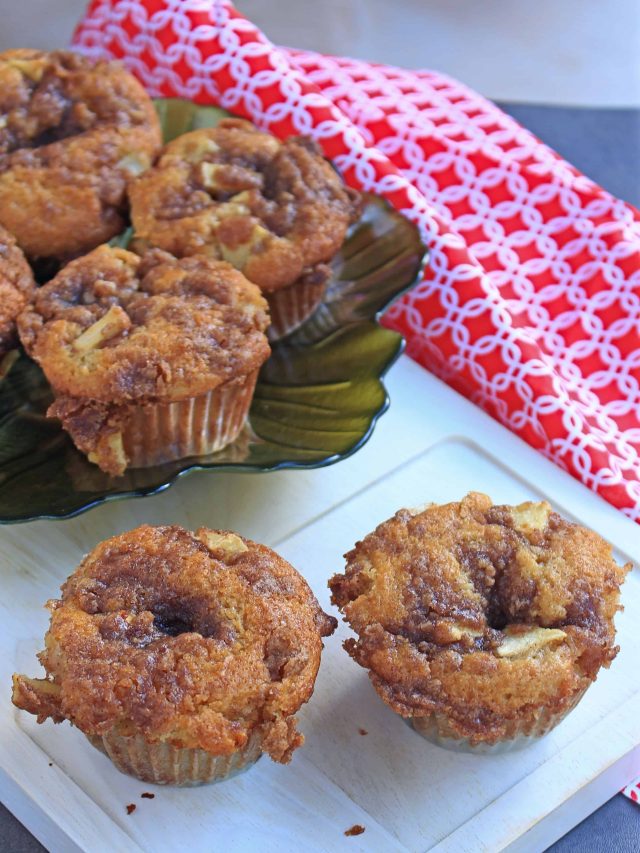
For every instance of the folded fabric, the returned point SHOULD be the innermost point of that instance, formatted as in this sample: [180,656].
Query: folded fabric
[530,305]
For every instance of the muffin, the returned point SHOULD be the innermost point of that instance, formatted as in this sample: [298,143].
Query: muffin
[277,211]
[482,625]
[150,359]
[16,289]
[184,657]
[72,133]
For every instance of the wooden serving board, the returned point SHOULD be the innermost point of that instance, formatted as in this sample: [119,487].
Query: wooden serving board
[432,445]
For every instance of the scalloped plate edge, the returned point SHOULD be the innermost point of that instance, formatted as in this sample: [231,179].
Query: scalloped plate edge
[149,491]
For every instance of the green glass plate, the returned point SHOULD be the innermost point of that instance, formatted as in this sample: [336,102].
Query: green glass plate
[316,402]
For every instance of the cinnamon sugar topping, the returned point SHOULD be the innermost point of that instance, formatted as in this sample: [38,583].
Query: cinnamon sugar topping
[167,634]
[275,210]
[72,133]
[485,613]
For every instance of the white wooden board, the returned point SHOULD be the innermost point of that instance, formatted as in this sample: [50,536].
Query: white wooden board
[432,446]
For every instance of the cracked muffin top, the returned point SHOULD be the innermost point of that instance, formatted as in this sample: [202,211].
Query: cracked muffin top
[114,327]
[481,612]
[275,210]
[16,289]
[72,132]
[198,640]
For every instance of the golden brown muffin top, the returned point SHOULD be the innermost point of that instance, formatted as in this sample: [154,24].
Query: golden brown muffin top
[16,289]
[484,613]
[72,133]
[194,639]
[114,327]
[275,210]
[48,97]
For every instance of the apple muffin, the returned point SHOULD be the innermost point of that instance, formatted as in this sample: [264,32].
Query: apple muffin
[151,359]
[72,133]
[482,625]
[16,290]
[184,657]
[278,211]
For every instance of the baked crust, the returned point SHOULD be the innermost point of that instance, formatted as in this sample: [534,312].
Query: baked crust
[114,332]
[16,289]
[115,328]
[483,613]
[198,640]
[72,133]
[275,210]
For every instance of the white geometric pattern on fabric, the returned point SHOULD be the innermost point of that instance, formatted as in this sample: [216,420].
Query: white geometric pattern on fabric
[531,303]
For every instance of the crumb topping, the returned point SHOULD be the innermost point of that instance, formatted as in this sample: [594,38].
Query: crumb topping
[483,612]
[72,133]
[112,328]
[194,639]
[48,97]
[275,210]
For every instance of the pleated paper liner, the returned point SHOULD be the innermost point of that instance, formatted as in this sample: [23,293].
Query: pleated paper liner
[197,426]
[519,733]
[290,306]
[163,764]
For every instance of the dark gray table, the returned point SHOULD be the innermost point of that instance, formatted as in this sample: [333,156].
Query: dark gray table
[604,144]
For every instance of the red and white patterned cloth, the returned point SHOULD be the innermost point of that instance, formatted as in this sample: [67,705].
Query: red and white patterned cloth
[633,790]
[531,302]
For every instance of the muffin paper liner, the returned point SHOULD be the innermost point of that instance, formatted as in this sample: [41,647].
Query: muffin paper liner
[291,306]
[197,426]
[163,764]
[519,734]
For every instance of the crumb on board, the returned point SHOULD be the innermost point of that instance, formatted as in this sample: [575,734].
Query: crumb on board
[131,808]
[147,795]
[363,732]
[51,764]
[356,829]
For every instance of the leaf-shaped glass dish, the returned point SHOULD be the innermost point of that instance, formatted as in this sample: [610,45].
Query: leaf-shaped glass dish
[316,402]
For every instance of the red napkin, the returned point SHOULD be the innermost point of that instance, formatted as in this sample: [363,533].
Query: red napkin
[633,790]
[531,302]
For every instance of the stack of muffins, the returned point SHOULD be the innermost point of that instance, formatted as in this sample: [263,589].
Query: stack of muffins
[185,656]
[152,354]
